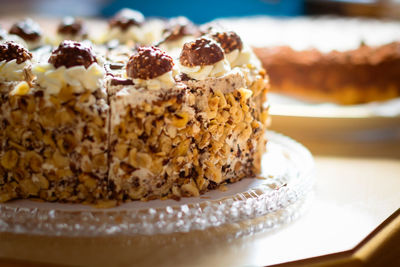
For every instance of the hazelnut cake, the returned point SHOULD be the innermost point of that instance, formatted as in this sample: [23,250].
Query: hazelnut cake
[151,109]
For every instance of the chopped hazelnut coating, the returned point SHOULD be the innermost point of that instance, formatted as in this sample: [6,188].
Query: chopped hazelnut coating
[149,63]
[11,50]
[27,29]
[54,148]
[70,54]
[189,141]
[201,52]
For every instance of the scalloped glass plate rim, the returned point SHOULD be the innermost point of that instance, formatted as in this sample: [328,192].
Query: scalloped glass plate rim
[262,197]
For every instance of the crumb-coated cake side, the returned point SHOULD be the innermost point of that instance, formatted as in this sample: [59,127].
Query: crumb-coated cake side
[185,138]
[55,131]
[121,120]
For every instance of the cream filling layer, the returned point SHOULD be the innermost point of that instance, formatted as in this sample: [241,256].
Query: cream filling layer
[11,71]
[202,72]
[165,81]
[78,78]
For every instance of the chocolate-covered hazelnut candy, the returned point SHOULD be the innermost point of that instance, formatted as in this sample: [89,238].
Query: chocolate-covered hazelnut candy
[27,29]
[70,54]
[126,18]
[229,41]
[201,52]
[72,27]
[179,27]
[11,50]
[148,63]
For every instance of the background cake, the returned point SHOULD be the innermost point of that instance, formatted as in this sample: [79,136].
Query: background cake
[111,118]
[347,61]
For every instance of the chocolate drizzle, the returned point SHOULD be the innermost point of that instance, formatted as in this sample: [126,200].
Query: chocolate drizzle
[149,63]
[27,29]
[11,50]
[201,52]
[70,54]
[126,18]
[116,66]
[120,81]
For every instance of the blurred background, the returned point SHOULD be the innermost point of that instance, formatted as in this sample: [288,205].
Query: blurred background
[369,135]
[205,10]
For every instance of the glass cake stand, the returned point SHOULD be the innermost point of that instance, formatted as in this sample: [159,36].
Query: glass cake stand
[272,199]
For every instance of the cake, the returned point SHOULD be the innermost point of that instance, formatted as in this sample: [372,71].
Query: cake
[326,59]
[152,109]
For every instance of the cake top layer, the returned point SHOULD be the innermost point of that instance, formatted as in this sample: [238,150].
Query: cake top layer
[132,52]
[323,33]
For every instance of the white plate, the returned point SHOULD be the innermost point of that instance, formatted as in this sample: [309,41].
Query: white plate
[287,106]
[371,130]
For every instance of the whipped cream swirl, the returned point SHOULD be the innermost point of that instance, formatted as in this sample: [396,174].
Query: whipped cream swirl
[242,57]
[78,77]
[11,71]
[164,81]
[202,72]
